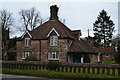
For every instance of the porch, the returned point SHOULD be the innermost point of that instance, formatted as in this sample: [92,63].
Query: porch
[76,57]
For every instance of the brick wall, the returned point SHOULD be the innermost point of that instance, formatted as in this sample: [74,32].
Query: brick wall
[61,48]
[40,48]
[93,58]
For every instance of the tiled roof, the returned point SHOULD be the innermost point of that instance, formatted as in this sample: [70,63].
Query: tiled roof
[107,50]
[82,46]
[76,32]
[42,31]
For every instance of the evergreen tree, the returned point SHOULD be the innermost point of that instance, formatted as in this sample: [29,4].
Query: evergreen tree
[117,55]
[103,30]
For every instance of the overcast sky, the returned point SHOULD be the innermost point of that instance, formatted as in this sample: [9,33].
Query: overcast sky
[78,15]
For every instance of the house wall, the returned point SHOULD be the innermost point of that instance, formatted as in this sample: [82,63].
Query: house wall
[62,48]
[19,49]
[93,58]
[40,49]
[34,48]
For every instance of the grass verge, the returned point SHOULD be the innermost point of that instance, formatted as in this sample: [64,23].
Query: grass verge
[110,62]
[47,73]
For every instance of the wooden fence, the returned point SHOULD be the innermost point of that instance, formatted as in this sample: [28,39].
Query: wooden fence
[108,69]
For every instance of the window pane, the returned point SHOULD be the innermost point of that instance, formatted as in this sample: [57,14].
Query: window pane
[26,54]
[27,42]
[53,56]
[53,40]
[49,55]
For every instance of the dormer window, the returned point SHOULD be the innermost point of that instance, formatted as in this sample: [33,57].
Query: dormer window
[53,40]
[27,42]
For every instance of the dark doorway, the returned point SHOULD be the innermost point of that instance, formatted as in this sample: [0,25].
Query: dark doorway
[74,57]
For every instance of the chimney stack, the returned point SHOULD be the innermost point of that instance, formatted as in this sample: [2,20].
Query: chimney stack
[53,12]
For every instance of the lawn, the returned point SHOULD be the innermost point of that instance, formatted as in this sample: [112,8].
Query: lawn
[110,62]
[47,73]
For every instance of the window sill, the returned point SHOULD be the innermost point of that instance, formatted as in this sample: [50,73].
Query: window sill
[53,45]
[52,59]
[27,46]
[23,58]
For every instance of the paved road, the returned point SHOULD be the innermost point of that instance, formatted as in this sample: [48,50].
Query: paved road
[19,77]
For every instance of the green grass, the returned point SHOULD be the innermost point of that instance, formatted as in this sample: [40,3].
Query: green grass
[110,62]
[47,73]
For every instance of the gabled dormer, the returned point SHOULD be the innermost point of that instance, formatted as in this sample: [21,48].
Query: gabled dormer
[26,34]
[26,39]
[53,35]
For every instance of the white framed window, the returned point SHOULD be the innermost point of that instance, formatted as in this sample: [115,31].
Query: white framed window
[53,55]
[27,42]
[53,40]
[26,54]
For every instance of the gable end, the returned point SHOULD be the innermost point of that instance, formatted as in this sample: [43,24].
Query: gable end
[53,29]
[26,33]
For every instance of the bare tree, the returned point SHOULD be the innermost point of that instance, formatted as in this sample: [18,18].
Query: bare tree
[30,18]
[5,19]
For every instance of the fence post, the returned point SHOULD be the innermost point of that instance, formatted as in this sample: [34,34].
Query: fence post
[70,68]
[62,68]
[39,66]
[66,68]
[84,69]
[74,69]
[113,71]
[93,70]
[88,70]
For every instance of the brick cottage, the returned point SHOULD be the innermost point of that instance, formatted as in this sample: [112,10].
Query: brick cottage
[54,41]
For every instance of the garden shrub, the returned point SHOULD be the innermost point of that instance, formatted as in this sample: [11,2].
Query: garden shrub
[31,58]
[53,65]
